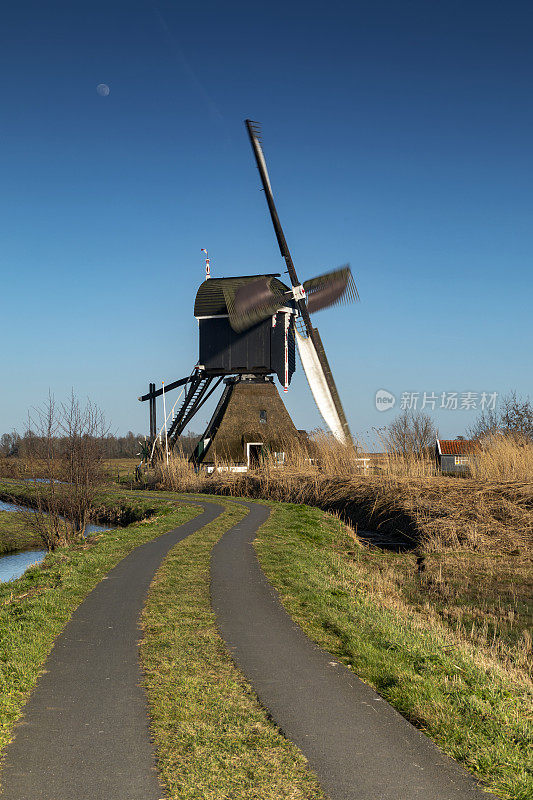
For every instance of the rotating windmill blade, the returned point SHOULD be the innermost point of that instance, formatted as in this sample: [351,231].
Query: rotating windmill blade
[259,302]
[252,303]
[260,299]
[330,289]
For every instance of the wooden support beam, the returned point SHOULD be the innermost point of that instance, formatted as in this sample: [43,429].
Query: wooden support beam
[151,389]
[168,388]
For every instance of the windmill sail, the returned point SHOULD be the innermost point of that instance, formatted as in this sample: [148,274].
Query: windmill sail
[254,132]
[253,302]
[313,356]
[331,289]
[324,391]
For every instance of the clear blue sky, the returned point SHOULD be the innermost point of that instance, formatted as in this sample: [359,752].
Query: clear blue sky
[399,138]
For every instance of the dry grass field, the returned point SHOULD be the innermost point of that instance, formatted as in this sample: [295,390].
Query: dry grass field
[114,468]
[491,510]
[120,469]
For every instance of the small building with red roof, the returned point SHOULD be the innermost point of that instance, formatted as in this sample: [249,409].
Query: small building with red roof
[455,455]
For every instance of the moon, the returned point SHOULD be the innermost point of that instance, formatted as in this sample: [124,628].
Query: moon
[103,89]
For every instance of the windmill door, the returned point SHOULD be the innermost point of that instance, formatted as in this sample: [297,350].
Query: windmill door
[254,454]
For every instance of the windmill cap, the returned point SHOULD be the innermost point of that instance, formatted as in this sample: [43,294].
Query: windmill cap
[210,300]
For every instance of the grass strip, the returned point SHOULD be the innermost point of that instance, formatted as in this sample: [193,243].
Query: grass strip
[110,505]
[213,738]
[35,608]
[472,710]
[16,534]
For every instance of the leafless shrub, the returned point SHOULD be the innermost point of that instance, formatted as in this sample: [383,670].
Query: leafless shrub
[411,433]
[65,464]
[513,418]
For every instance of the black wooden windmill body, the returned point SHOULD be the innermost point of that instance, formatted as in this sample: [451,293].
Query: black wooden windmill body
[248,330]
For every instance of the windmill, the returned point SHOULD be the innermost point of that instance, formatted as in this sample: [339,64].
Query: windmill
[313,295]
[248,326]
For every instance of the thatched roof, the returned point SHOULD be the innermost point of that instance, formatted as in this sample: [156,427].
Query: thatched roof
[254,413]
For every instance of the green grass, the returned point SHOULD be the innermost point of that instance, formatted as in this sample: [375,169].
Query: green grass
[116,507]
[214,740]
[473,710]
[12,490]
[16,534]
[487,598]
[35,608]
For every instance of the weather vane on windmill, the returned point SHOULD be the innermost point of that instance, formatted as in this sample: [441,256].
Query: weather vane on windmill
[207,267]
[248,328]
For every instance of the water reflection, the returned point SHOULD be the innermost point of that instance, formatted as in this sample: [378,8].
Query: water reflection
[13,565]
[10,507]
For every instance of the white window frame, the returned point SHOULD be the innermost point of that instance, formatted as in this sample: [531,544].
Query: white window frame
[251,444]
[461,461]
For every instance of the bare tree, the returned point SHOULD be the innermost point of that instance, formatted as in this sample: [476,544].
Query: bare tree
[9,444]
[6,444]
[42,457]
[410,433]
[83,429]
[513,418]
[66,462]
[113,446]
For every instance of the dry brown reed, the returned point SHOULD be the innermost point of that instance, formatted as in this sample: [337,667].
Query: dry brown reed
[503,458]
[401,496]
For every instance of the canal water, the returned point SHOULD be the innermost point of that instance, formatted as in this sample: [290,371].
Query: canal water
[13,565]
